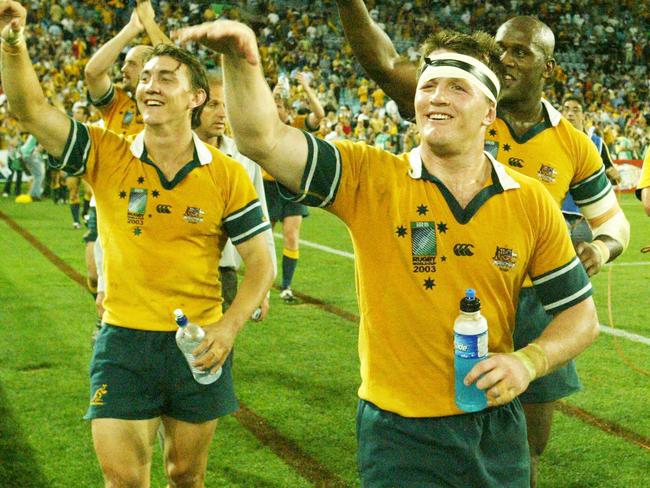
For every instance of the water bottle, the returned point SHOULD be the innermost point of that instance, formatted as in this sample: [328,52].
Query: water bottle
[188,337]
[470,347]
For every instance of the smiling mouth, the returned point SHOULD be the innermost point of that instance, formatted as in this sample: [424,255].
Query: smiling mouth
[439,117]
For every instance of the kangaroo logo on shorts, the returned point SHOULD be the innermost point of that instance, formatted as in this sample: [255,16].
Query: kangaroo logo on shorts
[98,397]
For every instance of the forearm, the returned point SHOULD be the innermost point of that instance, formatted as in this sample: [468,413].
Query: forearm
[375,52]
[612,236]
[257,132]
[570,333]
[155,33]
[102,61]
[23,90]
[372,47]
[252,290]
[315,106]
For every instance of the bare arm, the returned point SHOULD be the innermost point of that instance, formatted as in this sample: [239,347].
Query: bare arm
[258,277]
[279,149]
[317,111]
[504,376]
[375,52]
[97,70]
[24,94]
[148,18]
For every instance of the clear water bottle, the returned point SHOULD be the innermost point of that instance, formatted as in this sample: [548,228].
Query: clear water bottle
[470,347]
[188,337]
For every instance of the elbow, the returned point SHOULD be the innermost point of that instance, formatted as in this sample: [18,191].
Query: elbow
[91,73]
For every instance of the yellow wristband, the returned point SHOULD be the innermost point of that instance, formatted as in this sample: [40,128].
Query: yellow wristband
[534,359]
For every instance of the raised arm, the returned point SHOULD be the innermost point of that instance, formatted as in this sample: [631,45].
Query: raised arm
[317,111]
[148,18]
[281,150]
[98,68]
[24,94]
[375,52]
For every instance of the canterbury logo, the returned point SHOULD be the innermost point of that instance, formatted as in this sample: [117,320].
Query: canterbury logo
[98,397]
[516,162]
[463,250]
[166,209]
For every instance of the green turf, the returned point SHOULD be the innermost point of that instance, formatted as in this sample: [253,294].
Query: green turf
[298,370]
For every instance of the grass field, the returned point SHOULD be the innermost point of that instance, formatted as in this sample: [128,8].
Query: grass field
[296,373]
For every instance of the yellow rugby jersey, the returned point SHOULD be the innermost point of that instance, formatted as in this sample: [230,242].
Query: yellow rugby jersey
[162,239]
[644,181]
[119,112]
[416,251]
[555,153]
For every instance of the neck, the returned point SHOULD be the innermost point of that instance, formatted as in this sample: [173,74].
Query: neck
[522,112]
[170,149]
[464,174]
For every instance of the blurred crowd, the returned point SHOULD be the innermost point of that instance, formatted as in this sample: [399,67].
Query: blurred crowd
[602,49]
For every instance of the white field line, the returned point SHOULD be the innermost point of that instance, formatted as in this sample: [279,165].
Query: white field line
[607,330]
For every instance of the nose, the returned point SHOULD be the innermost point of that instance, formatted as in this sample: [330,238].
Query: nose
[439,95]
[507,58]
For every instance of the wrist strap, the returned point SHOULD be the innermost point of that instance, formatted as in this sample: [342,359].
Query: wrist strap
[534,359]
[601,249]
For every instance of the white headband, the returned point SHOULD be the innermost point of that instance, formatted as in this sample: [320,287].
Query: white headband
[454,65]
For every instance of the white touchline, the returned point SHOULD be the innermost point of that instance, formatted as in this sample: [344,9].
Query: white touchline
[625,335]
[607,330]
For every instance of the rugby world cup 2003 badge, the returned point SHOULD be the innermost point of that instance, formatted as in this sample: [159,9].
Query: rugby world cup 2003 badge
[423,246]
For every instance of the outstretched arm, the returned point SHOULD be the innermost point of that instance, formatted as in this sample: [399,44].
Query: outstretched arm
[24,94]
[317,111]
[281,150]
[97,70]
[148,18]
[375,52]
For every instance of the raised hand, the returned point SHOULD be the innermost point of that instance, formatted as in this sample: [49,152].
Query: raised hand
[12,20]
[224,36]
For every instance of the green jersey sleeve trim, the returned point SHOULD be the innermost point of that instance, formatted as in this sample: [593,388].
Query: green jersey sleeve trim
[105,99]
[563,287]
[322,175]
[75,154]
[591,189]
[246,222]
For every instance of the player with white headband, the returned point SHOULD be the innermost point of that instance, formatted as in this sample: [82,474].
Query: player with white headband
[407,214]
[454,65]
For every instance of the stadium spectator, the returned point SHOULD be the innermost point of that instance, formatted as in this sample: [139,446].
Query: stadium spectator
[527,126]
[572,109]
[16,168]
[402,416]
[281,210]
[139,378]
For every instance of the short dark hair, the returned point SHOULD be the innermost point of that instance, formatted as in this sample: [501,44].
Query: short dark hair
[479,45]
[574,98]
[198,77]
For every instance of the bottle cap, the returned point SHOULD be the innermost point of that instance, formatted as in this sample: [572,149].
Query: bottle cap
[470,303]
[180,317]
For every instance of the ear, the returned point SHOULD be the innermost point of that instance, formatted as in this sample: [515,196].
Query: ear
[549,68]
[198,98]
[490,115]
